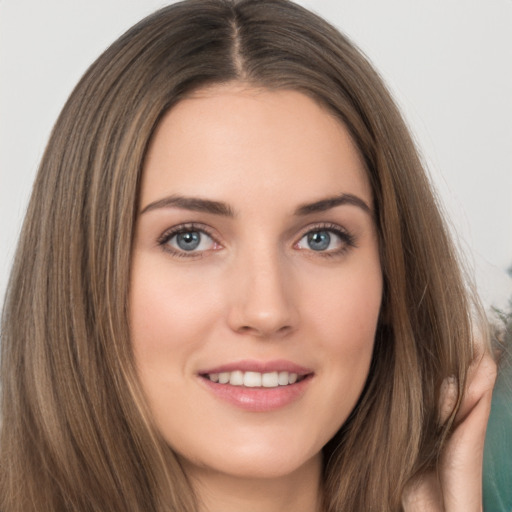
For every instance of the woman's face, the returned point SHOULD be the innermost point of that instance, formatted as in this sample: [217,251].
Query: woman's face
[255,282]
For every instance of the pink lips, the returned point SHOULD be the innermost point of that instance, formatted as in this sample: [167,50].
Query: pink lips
[258,399]
[280,365]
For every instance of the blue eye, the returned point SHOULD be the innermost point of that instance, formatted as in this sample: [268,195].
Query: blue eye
[188,241]
[183,240]
[331,240]
[319,240]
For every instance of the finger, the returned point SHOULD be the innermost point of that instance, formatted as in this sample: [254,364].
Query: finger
[447,398]
[462,459]
[480,381]
[461,466]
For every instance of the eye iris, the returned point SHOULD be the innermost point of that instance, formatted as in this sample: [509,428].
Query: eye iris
[319,240]
[188,241]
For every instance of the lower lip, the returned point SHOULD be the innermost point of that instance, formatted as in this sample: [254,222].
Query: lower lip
[258,399]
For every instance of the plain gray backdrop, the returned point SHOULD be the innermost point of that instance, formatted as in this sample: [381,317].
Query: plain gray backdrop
[447,62]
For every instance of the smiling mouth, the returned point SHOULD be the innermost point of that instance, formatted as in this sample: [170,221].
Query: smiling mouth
[251,379]
[257,386]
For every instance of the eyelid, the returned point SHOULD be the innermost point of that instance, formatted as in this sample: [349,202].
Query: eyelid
[185,227]
[348,239]
[325,226]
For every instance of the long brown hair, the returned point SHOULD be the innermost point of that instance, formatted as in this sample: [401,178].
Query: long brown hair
[76,434]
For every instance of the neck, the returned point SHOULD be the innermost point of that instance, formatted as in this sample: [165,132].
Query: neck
[299,491]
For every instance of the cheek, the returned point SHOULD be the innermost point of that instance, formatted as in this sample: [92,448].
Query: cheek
[346,308]
[343,319]
[170,319]
[170,316]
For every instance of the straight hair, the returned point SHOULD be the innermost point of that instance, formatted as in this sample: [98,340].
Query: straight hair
[76,432]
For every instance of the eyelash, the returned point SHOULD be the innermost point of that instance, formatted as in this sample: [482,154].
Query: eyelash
[348,240]
[184,228]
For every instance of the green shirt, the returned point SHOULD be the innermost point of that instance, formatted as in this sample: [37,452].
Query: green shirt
[497,481]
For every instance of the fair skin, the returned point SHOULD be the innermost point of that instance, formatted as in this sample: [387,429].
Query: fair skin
[265,283]
[240,263]
[457,486]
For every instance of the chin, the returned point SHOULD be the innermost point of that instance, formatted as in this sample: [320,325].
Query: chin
[259,459]
[262,468]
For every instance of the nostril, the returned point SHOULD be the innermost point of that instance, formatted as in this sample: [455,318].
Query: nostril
[280,331]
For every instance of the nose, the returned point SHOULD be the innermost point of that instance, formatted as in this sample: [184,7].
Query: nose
[262,299]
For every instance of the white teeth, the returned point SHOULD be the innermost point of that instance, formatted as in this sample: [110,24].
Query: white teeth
[237,378]
[270,380]
[223,377]
[254,379]
[282,378]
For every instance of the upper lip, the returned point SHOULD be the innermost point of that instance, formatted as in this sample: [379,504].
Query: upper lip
[247,365]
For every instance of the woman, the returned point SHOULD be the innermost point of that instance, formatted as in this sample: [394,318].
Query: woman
[241,293]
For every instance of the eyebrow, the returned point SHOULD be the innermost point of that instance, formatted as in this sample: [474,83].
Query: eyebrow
[195,204]
[219,208]
[331,202]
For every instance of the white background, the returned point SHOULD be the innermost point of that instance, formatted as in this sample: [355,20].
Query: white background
[448,63]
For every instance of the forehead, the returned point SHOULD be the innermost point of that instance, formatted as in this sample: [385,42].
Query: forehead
[233,142]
